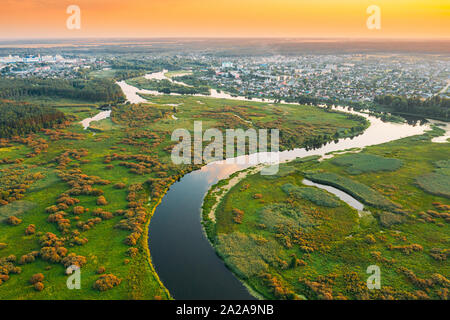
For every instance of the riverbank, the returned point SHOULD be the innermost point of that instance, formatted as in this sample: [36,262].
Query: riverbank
[219,190]
[144,245]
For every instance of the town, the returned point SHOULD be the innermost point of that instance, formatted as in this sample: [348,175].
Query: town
[46,66]
[352,77]
[339,77]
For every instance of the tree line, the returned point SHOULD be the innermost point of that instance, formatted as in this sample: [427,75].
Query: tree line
[19,118]
[436,106]
[86,90]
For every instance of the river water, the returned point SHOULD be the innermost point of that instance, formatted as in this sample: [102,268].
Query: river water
[99,116]
[181,254]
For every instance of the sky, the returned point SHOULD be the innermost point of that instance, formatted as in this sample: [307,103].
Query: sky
[225,18]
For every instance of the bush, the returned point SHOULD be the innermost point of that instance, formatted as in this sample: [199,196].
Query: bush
[101,201]
[39,286]
[13,221]
[38,277]
[132,252]
[53,254]
[408,249]
[28,258]
[100,270]
[105,215]
[370,239]
[73,259]
[31,229]
[120,185]
[363,163]
[78,210]
[238,215]
[439,254]
[106,282]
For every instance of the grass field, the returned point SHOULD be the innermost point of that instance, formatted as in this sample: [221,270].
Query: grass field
[363,163]
[127,161]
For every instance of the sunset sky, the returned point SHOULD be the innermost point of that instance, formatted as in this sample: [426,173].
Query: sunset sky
[225,18]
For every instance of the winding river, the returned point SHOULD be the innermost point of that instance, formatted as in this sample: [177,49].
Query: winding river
[185,261]
[181,254]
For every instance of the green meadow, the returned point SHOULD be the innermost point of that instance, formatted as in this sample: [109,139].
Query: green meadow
[287,241]
[87,196]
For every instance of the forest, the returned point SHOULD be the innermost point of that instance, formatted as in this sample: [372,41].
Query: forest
[80,89]
[167,87]
[19,118]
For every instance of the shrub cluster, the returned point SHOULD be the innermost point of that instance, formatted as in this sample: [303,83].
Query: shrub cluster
[407,249]
[14,182]
[31,229]
[13,221]
[106,282]
[105,215]
[238,215]
[7,267]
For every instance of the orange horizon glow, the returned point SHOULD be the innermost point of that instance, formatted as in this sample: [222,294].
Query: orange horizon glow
[420,19]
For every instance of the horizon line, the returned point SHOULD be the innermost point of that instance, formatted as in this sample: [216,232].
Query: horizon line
[61,38]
